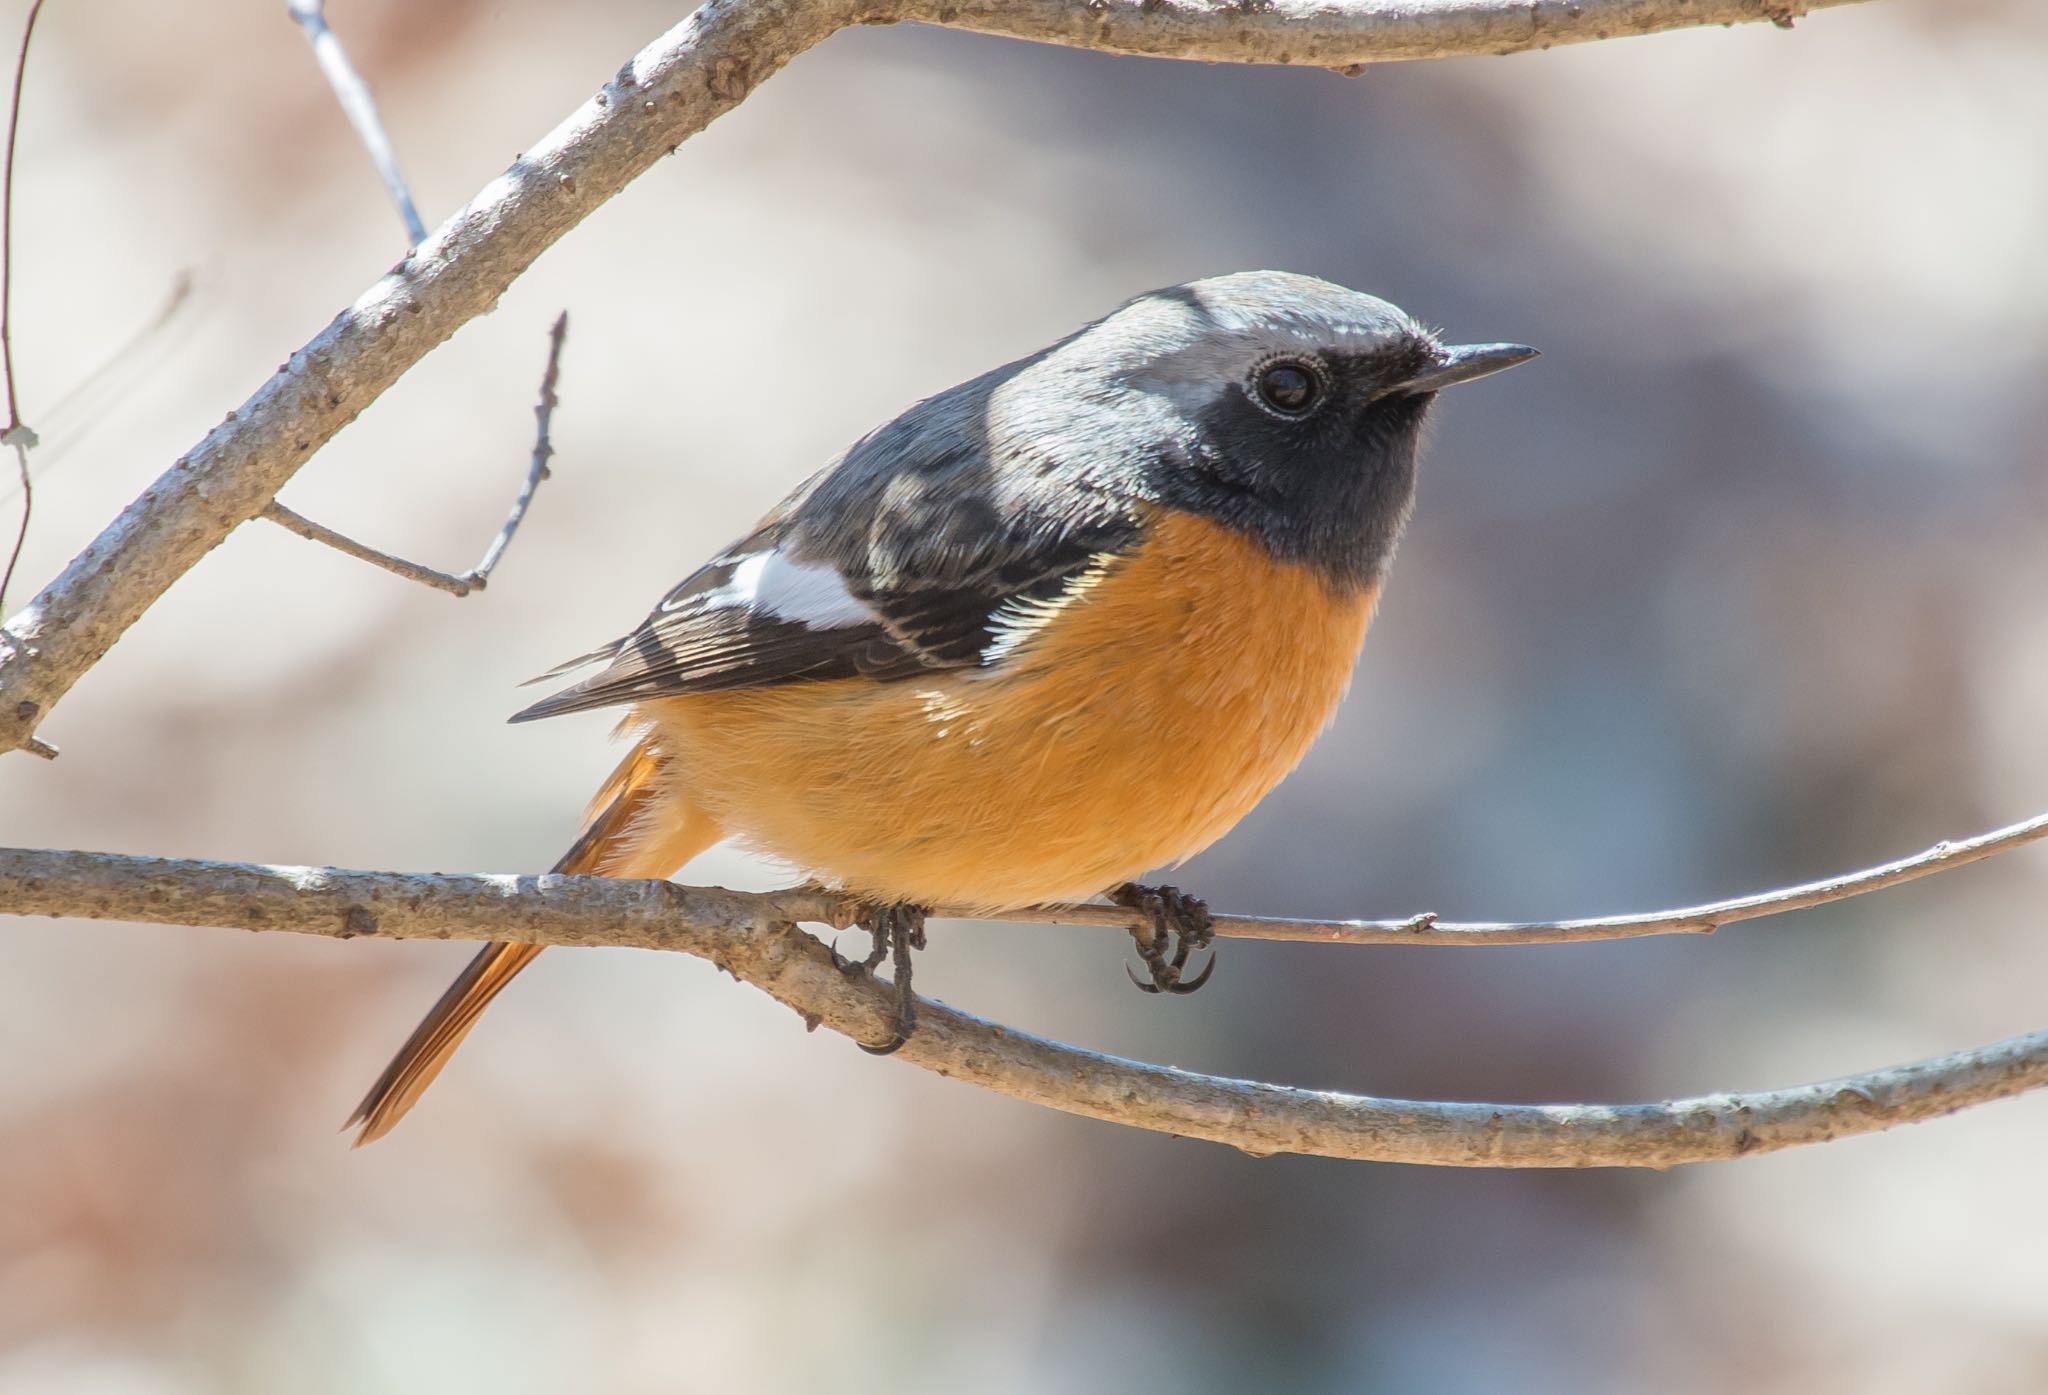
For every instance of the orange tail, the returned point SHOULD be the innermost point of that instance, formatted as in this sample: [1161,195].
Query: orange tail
[639,829]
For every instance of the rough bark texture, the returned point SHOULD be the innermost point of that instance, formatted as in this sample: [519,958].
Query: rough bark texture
[1341,35]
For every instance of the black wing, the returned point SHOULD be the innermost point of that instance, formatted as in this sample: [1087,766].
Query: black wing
[828,589]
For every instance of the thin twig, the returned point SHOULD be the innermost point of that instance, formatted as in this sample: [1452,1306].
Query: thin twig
[305,527]
[28,31]
[543,452]
[478,576]
[354,95]
[81,394]
[103,383]
[1426,929]
[744,935]
[17,436]
[702,68]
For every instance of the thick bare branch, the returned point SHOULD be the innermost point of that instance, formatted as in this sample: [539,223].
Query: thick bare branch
[1691,920]
[700,69]
[752,937]
[478,576]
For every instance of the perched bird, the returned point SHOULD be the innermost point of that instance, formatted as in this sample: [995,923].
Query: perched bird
[1052,628]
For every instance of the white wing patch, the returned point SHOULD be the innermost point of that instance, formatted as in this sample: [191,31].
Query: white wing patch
[771,583]
[1016,622]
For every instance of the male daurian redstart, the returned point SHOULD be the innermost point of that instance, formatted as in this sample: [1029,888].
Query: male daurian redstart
[1059,625]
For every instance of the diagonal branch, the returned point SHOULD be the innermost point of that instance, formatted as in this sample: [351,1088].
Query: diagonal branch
[675,87]
[754,940]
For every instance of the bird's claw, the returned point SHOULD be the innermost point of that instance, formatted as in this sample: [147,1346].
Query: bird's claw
[1175,926]
[897,930]
[1175,986]
[854,967]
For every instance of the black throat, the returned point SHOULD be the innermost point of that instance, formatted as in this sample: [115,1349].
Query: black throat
[1331,493]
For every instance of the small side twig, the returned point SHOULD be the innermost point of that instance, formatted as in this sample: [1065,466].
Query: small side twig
[354,95]
[295,522]
[479,575]
[543,452]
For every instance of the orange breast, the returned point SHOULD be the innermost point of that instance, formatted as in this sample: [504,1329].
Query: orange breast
[1142,723]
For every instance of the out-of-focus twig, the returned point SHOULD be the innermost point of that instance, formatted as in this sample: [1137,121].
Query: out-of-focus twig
[105,383]
[17,437]
[478,576]
[361,109]
[751,937]
[1691,920]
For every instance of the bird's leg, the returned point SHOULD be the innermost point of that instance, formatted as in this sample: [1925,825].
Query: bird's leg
[1175,925]
[896,930]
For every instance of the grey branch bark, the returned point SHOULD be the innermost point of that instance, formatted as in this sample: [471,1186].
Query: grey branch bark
[674,88]
[1428,929]
[359,107]
[754,939]
[1341,35]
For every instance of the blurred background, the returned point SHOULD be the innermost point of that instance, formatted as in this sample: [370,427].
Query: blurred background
[1740,584]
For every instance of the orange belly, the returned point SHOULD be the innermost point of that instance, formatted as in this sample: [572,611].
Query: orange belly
[1147,719]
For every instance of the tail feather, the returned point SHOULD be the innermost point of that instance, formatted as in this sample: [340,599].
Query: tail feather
[413,1069]
[638,828]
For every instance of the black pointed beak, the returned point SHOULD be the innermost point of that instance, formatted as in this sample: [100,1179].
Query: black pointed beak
[1461,363]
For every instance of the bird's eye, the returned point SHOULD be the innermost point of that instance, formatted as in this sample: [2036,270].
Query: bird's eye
[1289,387]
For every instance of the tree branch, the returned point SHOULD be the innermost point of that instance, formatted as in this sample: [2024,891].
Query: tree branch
[359,107]
[674,88]
[1341,35]
[1427,929]
[753,938]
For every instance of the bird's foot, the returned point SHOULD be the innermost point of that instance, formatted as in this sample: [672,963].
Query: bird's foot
[896,930]
[1175,925]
